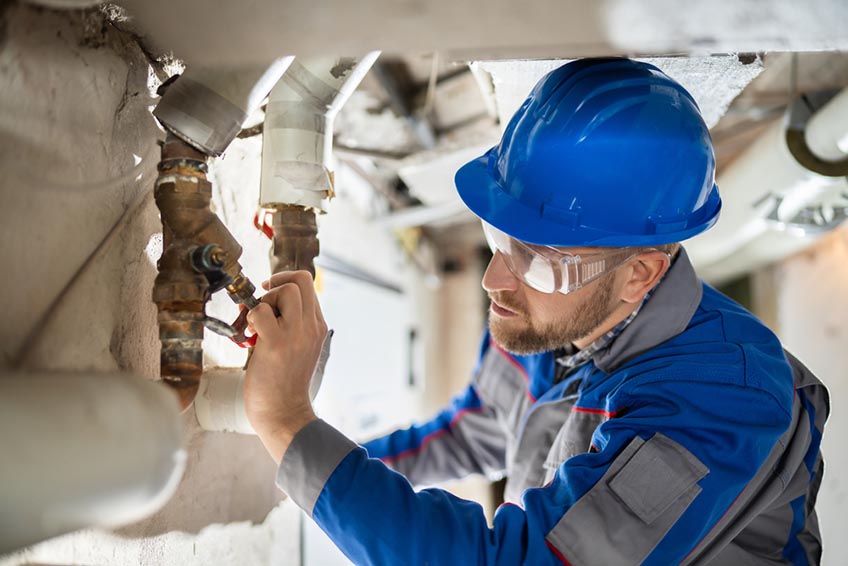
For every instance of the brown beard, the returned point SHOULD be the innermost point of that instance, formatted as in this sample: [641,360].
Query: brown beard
[533,338]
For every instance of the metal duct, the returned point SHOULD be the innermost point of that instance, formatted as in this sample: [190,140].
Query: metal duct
[207,107]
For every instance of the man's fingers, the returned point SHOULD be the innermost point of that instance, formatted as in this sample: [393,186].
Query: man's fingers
[286,300]
[303,279]
[264,321]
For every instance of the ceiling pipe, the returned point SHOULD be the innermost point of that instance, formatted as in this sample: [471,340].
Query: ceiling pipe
[207,107]
[297,162]
[83,450]
[395,80]
[782,193]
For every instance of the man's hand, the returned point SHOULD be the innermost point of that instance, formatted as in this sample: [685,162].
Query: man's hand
[291,331]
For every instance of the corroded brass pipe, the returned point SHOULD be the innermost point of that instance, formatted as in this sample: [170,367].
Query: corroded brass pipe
[295,243]
[183,195]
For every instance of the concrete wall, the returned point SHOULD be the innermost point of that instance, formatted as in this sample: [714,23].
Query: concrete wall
[74,111]
[812,320]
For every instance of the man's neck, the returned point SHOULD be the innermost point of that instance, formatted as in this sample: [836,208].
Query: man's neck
[614,319]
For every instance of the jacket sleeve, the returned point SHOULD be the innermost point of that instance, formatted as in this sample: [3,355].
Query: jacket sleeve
[662,473]
[463,439]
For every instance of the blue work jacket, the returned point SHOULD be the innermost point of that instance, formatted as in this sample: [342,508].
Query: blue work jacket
[693,438]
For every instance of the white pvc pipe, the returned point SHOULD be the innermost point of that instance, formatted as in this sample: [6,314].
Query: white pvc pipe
[827,130]
[297,140]
[765,173]
[219,404]
[84,450]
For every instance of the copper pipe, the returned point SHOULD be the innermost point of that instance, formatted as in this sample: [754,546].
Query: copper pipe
[295,243]
[181,289]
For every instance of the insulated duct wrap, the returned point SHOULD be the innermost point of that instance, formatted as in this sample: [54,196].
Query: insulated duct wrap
[298,135]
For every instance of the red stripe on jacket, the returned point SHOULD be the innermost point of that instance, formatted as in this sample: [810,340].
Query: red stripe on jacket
[432,436]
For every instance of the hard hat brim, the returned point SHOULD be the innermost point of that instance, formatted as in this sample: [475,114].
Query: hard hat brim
[488,201]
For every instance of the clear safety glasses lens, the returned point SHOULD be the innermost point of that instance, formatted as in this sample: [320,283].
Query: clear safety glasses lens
[550,270]
[538,271]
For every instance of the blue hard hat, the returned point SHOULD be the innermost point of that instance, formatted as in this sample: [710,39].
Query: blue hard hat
[604,152]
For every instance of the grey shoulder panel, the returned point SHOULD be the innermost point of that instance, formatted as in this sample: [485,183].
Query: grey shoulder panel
[643,493]
[309,461]
[502,386]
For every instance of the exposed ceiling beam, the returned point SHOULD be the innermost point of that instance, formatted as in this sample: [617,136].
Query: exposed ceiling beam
[231,34]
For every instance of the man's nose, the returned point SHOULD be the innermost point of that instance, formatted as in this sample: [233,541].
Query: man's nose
[498,277]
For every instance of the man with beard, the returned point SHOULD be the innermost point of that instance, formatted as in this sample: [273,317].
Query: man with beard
[639,416]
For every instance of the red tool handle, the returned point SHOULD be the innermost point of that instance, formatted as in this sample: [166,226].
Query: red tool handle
[260,220]
[240,325]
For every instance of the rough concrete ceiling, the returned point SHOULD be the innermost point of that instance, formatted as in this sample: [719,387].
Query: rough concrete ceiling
[713,81]
[256,31]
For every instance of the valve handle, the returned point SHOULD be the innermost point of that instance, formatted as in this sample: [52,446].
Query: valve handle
[239,326]
[260,221]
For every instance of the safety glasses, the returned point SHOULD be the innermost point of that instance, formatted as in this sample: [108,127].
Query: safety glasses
[549,269]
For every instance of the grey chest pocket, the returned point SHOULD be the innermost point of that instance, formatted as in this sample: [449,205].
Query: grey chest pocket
[657,475]
[641,496]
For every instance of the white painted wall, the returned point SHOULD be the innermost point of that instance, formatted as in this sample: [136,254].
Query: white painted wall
[812,321]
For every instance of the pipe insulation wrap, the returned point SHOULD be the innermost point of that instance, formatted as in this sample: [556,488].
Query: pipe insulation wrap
[84,450]
[207,107]
[297,139]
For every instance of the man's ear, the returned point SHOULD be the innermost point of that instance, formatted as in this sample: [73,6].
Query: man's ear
[644,272]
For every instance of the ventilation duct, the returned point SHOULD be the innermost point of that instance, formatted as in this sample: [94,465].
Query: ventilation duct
[782,193]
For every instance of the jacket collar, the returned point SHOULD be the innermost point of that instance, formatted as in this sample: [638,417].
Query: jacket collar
[665,316]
